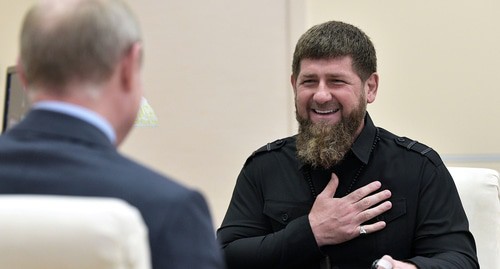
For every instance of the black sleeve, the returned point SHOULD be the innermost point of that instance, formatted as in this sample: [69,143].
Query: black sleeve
[442,238]
[248,239]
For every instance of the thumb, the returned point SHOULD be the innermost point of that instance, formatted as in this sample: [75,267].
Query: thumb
[331,187]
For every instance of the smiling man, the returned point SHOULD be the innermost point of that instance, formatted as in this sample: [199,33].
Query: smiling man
[331,105]
[343,193]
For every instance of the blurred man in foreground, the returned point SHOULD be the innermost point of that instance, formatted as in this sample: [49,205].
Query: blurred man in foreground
[80,61]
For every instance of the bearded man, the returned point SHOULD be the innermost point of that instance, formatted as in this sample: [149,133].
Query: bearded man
[343,193]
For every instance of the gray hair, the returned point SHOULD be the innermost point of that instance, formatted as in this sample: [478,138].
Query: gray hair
[79,41]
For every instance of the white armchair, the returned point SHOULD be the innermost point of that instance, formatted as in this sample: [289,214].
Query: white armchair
[61,232]
[480,194]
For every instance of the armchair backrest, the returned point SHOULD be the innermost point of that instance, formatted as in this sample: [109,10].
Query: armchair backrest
[61,232]
[480,194]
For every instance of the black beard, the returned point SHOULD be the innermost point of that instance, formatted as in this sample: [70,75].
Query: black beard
[325,145]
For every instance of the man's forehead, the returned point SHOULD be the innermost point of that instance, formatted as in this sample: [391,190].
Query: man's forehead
[339,65]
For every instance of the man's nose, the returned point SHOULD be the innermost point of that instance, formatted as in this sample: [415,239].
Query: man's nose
[323,94]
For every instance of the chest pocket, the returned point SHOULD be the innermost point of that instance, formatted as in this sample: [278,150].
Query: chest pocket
[398,210]
[281,213]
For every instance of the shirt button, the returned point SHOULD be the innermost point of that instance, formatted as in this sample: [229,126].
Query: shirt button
[400,139]
[284,217]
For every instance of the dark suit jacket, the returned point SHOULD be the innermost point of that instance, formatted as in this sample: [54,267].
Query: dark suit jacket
[53,153]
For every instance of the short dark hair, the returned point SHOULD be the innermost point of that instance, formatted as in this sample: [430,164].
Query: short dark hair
[335,39]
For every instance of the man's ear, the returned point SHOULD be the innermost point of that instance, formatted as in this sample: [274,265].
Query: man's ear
[293,81]
[371,87]
[130,66]
[21,73]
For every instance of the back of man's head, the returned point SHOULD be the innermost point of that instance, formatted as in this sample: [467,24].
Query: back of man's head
[75,41]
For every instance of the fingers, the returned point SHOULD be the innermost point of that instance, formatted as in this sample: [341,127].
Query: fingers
[364,191]
[370,213]
[374,199]
[385,263]
[331,187]
[336,220]
[388,258]
[367,201]
[371,228]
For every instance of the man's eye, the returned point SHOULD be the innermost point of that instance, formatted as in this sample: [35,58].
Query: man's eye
[337,81]
[308,81]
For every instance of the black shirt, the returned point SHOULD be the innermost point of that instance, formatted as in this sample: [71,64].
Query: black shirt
[266,224]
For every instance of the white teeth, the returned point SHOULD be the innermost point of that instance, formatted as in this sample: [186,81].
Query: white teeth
[325,111]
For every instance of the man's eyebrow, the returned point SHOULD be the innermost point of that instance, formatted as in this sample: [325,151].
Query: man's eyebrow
[308,75]
[328,75]
[335,75]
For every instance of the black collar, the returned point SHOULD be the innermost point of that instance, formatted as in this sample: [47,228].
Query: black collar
[362,146]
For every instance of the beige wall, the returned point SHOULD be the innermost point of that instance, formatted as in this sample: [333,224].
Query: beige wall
[11,13]
[217,75]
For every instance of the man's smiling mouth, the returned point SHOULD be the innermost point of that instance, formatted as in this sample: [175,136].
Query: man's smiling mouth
[331,111]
